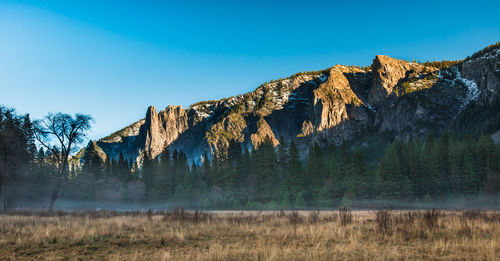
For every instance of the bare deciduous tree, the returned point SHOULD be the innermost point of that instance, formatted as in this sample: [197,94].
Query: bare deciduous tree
[60,133]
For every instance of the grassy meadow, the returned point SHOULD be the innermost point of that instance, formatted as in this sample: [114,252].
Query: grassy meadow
[273,235]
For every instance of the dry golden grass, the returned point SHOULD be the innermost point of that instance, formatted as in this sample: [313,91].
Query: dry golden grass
[179,235]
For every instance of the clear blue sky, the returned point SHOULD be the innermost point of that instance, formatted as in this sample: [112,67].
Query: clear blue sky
[112,59]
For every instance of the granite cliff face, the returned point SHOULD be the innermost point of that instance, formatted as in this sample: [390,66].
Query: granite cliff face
[161,129]
[387,73]
[393,97]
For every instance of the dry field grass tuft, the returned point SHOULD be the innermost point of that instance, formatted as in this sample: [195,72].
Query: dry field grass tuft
[185,235]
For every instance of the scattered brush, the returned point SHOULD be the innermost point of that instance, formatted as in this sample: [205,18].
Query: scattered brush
[182,215]
[468,218]
[431,218]
[473,214]
[313,217]
[294,218]
[383,219]
[345,216]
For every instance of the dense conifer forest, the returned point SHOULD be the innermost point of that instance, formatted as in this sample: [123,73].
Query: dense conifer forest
[412,173]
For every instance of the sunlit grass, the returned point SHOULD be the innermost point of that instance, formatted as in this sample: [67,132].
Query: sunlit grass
[180,235]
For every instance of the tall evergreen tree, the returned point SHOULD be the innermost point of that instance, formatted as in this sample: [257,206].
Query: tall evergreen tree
[14,152]
[362,186]
[205,169]
[163,186]
[485,157]
[148,175]
[266,170]
[443,166]
[430,169]
[234,165]
[122,169]
[297,182]
[29,136]
[244,174]
[315,175]
[92,163]
[392,183]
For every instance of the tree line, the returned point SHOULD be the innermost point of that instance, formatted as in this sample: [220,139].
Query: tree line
[27,174]
[418,170]
[17,149]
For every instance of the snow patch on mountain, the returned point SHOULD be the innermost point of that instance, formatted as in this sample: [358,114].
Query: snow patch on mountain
[323,78]
[472,92]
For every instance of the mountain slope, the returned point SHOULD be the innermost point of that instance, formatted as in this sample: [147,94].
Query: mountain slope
[392,97]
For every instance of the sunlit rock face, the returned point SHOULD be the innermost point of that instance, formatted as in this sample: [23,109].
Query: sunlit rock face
[161,129]
[387,73]
[392,97]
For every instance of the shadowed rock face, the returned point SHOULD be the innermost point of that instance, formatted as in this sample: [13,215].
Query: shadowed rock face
[393,97]
[484,71]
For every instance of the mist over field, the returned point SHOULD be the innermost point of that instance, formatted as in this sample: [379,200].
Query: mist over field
[483,203]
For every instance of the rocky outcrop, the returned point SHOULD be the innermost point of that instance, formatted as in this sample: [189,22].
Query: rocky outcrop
[387,72]
[161,129]
[152,134]
[174,121]
[334,96]
[263,132]
[392,98]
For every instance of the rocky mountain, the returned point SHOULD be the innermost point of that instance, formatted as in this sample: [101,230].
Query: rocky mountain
[392,97]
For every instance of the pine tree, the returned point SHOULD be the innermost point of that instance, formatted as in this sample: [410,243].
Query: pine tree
[430,168]
[410,155]
[315,175]
[335,178]
[456,166]
[213,174]
[470,180]
[362,186]
[181,169]
[297,182]
[392,183]
[470,176]
[14,152]
[148,175]
[244,173]
[107,170]
[266,170]
[283,159]
[205,169]
[300,203]
[163,187]
[443,166]
[485,156]
[344,164]
[92,163]
[234,165]
[122,170]
[29,136]
[282,192]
